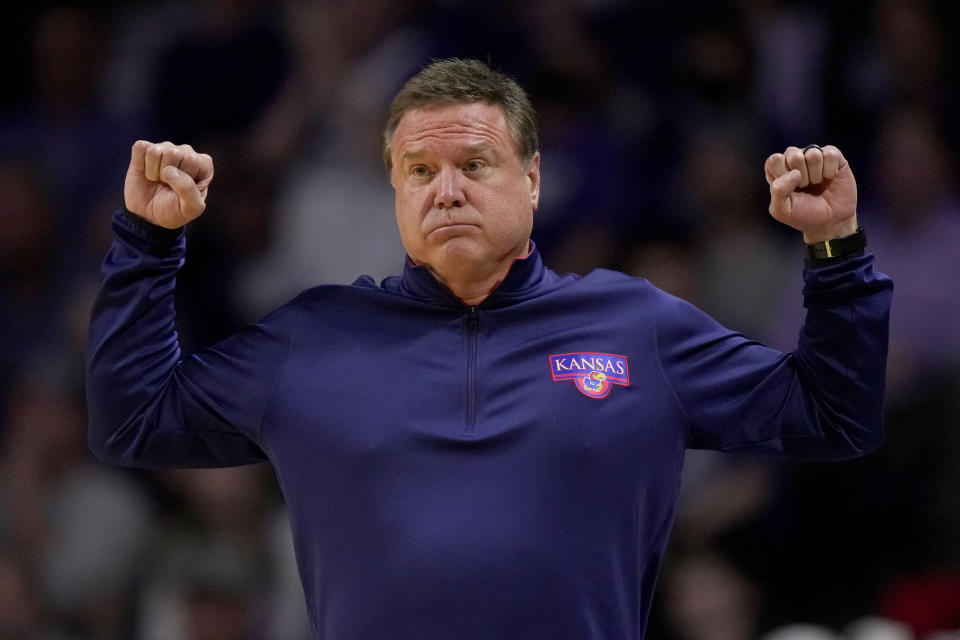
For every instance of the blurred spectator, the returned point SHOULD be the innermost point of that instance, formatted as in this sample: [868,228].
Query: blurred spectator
[32,287]
[63,132]
[713,73]
[915,226]
[587,197]
[287,617]
[903,57]
[791,41]
[334,205]
[707,598]
[927,602]
[719,494]
[217,78]
[743,267]
[866,628]
[801,632]
[213,83]
[219,564]
[874,628]
[19,610]
[82,529]
[666,260]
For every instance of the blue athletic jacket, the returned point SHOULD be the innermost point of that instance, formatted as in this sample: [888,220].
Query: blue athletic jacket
[501,471]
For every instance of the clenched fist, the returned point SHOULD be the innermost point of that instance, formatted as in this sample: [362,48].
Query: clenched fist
[167,184]
[813,191]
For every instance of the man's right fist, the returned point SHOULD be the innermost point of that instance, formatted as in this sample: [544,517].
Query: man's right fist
[167,184]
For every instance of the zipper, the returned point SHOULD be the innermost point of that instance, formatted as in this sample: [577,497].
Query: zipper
[473,335]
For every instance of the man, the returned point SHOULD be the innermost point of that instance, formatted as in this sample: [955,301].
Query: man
[479,448]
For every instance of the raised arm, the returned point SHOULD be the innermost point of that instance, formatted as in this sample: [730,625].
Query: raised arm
[148,405]
[823,400]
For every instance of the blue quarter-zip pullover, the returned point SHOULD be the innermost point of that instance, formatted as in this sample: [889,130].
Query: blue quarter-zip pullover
[502,471]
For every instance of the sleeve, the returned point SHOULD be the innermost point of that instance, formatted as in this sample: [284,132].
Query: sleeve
[822,401]
[150,407]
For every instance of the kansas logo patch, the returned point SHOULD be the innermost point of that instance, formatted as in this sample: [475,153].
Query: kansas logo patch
[594,374]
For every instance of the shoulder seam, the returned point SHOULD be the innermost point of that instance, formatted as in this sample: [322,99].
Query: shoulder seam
[666,379]
[280,371]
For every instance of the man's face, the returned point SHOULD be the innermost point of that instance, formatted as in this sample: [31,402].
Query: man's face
[465,200]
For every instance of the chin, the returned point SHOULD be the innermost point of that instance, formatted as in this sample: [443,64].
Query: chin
[457,253]
[460,247]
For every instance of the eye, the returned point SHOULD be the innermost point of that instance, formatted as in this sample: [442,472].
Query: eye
[473,166]
[419,171]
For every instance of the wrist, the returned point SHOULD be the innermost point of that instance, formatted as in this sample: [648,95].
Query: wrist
[837,248]
[846,228]
[147,228]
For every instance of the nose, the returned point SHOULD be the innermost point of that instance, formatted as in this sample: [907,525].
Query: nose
[449,189]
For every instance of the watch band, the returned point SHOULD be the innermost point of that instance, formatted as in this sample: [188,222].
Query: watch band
[837,247]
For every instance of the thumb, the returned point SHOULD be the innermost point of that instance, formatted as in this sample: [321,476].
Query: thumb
[191,201]
[780,190]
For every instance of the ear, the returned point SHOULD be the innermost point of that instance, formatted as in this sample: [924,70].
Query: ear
[532,173]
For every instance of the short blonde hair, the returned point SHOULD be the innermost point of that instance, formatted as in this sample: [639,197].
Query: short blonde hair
[459,81]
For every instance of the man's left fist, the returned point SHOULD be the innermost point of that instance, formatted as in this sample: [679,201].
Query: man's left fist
[813,191]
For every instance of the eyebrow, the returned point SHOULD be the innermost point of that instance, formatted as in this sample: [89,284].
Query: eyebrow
[479,147]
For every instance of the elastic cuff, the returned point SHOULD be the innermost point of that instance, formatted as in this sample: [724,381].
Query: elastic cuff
[148,228]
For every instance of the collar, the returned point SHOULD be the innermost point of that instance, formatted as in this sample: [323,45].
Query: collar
[526,277]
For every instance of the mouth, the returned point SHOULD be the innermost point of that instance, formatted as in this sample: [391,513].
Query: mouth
[451,228]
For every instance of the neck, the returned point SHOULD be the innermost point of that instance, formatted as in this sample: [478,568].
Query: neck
[470,292]
[473,286]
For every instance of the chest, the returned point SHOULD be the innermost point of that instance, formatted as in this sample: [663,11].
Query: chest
[564,392]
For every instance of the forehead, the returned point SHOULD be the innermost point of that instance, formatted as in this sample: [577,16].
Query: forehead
[455,124]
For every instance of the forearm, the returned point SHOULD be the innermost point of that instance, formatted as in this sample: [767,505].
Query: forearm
[842,350]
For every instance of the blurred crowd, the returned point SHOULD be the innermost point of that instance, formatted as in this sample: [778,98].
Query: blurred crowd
[655,117]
